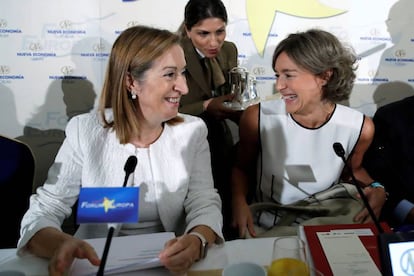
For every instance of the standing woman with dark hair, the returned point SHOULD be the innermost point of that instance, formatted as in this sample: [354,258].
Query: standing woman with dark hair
[209,59]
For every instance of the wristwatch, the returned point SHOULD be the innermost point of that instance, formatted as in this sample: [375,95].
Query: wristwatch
[204,244]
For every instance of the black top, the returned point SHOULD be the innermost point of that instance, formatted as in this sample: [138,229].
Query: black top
[16,181]
[390,158]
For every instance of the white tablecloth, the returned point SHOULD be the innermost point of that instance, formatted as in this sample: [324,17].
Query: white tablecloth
[254,250]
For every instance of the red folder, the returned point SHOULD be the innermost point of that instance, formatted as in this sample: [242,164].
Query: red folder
[318,256]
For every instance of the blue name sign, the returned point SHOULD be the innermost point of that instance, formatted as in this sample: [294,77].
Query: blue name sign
[108,204]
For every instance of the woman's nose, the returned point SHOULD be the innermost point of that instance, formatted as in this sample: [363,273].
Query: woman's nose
[181,85]
[280,84]
[214,41]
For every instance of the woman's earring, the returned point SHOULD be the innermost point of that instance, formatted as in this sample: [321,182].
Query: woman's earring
[132,95]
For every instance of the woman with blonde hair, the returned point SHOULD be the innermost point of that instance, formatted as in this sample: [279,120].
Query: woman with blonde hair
[138,116]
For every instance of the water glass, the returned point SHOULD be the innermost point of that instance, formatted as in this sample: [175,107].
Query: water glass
[289,258]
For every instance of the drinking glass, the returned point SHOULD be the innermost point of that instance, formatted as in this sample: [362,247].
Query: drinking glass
[288,258]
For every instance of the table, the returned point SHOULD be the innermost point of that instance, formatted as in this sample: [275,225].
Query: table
[253,250]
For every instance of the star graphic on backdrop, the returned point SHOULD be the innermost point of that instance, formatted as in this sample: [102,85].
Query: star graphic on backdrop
[108,204]
[261,13]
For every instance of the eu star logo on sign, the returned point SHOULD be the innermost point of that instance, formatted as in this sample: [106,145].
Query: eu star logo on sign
[109,204]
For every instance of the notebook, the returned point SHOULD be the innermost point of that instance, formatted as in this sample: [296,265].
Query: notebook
[397,253]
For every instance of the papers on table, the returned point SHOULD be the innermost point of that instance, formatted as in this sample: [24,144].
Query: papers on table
[346,254]
[127,253]
[367,233]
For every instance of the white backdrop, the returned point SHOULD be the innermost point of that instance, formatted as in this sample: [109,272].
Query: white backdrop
[54,52]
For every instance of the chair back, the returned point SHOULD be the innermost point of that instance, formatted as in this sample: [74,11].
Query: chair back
[16,180]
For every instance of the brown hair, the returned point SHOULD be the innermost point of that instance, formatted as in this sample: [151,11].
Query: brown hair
[133,52]
[319,52]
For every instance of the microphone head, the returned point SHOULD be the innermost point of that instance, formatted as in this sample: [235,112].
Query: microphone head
[339,149]
[130,164]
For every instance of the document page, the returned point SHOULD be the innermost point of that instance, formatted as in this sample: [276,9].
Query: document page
[126,253]
[346,254]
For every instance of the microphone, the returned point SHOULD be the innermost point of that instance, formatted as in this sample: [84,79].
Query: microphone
[339,150]
[129,168]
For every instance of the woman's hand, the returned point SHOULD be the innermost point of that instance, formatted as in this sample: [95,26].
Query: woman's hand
[180,253]
[216,108]
[242,218]
[61,249]
[67,252]
[376,198]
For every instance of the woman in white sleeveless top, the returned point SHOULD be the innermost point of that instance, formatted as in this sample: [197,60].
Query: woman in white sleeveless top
[286,144]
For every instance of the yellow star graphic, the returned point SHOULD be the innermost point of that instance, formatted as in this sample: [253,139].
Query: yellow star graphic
[108,204]
[261,13]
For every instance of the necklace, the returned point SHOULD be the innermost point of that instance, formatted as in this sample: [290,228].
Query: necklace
[331,108]
[310,122]
[144,141]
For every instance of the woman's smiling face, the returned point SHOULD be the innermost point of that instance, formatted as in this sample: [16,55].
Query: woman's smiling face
[160,91]
[300,89]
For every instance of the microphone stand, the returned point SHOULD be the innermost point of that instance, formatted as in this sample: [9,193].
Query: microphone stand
[105,251]
[129,167]
[339,150]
